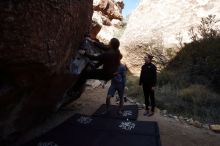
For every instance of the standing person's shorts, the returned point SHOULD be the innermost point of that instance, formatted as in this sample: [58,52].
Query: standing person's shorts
[116,87]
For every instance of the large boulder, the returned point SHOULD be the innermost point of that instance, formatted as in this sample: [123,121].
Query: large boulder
[38,40]
[44,32]
[157,25]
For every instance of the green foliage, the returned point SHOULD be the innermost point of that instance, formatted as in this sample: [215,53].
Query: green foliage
[190,84]
[207,29]
[165,78]
[200,61]
[195,101]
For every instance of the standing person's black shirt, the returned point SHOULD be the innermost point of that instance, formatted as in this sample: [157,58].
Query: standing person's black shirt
[148,75]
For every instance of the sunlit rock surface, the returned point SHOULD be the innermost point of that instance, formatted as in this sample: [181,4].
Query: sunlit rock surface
[160,21]
[107,18]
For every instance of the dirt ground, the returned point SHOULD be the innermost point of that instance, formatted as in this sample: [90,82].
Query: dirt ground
[172,132]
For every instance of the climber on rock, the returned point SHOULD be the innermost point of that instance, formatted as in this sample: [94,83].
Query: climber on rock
[110,60]
[148,79]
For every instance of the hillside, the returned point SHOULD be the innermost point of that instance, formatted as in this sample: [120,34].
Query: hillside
[191,81]
[161,27]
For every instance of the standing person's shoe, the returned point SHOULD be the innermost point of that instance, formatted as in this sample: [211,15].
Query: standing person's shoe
[151,113]
[146,112]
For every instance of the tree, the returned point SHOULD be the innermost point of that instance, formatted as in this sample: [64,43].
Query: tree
[179,38]
[208,29]
[193,35]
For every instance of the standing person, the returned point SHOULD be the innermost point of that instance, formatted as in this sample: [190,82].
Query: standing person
[110,61]
[148,80]
[117,84]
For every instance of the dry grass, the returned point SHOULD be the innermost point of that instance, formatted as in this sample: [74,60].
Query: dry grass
[196,101]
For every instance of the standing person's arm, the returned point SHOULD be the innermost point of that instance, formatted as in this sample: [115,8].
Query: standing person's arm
[141,76]
[154,76]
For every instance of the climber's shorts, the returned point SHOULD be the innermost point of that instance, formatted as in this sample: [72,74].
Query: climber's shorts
[116,87]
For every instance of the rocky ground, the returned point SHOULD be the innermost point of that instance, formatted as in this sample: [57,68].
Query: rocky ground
[173,132]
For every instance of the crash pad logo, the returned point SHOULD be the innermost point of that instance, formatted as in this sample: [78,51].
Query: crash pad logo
[84,120]
[127,126]
[127,113]
[51,143]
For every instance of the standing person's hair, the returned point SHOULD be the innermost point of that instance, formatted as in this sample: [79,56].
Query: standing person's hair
[150,56]
[114,43]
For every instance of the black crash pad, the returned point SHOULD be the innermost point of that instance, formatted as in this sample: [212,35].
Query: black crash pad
[81,130]
[129,112]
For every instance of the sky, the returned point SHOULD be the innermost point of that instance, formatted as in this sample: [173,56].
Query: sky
[130,5]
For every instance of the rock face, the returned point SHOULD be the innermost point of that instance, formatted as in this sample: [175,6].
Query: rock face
[41,32]
[38,38]
[107,18]
[157,24]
